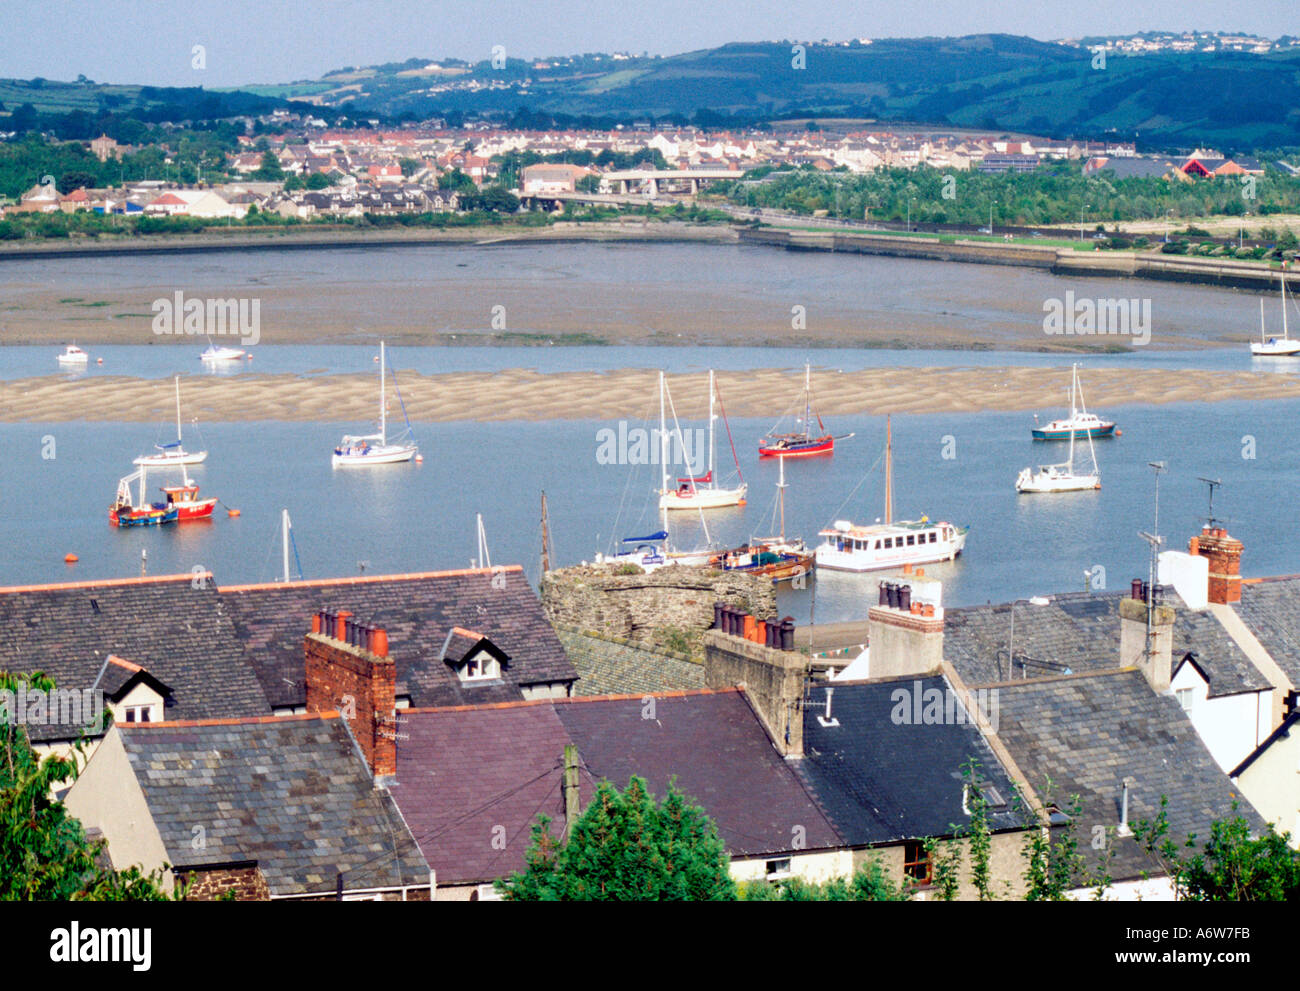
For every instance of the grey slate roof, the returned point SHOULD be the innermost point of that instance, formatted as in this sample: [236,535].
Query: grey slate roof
[418,611]
[1081,631]
[1087,733]
[1271,609]
[713,744]
[174,628]
[882,779]
[292,793]
[609,667]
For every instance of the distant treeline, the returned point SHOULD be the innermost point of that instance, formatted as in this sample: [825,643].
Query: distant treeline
[1056,193]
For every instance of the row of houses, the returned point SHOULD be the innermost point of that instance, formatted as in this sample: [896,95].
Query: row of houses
[396,737]
[1200,164]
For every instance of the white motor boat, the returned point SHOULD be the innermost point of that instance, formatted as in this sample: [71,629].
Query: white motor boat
[73,355]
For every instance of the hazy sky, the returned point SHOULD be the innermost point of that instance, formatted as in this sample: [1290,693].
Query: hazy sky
[248,41]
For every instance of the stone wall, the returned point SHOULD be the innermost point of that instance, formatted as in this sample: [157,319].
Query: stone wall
[243,884]
[670,607]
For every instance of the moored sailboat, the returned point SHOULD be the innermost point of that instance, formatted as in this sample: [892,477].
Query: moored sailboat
[374,449]
[702,492]
[173,453]
[1060,477]
[1080,423]
[1275,347]
[775,558]
[804,443]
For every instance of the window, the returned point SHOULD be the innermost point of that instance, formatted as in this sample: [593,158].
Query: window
[778,869]
[1185,698]
[889,542]
[139,714]
[916,862]
[877,544]
[933,536]
[481,667]
[911,540]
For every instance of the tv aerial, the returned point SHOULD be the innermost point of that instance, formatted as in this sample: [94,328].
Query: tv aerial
[1211,519]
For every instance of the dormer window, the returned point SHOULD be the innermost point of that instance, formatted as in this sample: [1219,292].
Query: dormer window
[480,667]
[141,714]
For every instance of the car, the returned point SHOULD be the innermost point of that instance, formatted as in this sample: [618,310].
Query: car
[1035,233]
[986,230]
[1100,236]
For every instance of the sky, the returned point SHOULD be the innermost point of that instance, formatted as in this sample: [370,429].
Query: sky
[264,41]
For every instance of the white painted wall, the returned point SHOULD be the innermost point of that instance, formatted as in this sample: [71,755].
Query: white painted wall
[1231,726]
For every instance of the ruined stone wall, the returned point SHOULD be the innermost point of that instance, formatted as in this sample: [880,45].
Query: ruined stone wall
[668,608]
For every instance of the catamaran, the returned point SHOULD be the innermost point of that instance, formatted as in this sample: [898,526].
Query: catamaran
[881,546]
[771,557]
[1275,347]
[1060,478]
[702,492]
[803,443]
[1080,423]
[173,453]
[374,449]
[128,511]
[73,355]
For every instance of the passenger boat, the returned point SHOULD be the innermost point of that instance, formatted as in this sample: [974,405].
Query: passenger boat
[701,492]
[173,453]
[775,558]
[1275,347]
[126,511]
[805,443]
[73,355]
[1080,423]
[881,546]
[374,449]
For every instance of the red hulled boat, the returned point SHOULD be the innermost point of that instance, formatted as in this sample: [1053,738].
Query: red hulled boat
[804,443]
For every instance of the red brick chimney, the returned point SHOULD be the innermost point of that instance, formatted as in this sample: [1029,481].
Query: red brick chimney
[1224,553]
[349,670]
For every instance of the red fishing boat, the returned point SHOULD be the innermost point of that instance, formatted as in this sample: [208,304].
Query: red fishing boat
[128,511]
[187,503]
[803,443]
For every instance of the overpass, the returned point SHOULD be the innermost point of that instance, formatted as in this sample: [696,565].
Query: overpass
[651,179]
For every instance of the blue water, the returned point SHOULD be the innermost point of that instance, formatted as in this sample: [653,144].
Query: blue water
[164,361]
[421,517]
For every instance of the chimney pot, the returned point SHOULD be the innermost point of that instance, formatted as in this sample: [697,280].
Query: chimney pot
[787,633]
[340,624]
[379,643]
[315,622]
[717,614]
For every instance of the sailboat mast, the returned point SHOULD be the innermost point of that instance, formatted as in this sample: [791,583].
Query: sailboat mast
[780,487]
[178,408]
[546,537]
[807,398]
[284,541]
[1284,333]
[1261,320]
[484,557]
[889,470]
[663,455]
[711,399]
[383,403]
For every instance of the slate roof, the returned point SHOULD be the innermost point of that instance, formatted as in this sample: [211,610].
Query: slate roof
[468,775]
[471,782]
[1271,610]
[176,630]
[1087,733]
[292,793]
[608,667]
[417,611]
[714,745]
[882,778]
[1081,631]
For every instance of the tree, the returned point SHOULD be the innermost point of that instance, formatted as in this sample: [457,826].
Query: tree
[269,170]
[457,181]
[627,847]
[494,199]
[74,180]
[1233,866]
[45,854]
[869,883]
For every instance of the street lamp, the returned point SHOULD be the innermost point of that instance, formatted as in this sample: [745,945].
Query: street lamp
[1081,209]
[1033,600]
[1169,216]
[909,215]
[991,205]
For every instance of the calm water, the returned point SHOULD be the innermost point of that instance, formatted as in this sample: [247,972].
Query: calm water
[421,517]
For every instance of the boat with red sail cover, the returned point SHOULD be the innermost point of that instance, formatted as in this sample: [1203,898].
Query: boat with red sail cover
[805,443]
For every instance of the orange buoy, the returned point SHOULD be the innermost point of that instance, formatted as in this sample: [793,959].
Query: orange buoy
[70,559]
[99,361]
[232,512]
[1118,432]
[419,459]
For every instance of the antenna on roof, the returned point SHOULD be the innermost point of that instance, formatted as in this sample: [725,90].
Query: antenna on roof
[1213,483]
